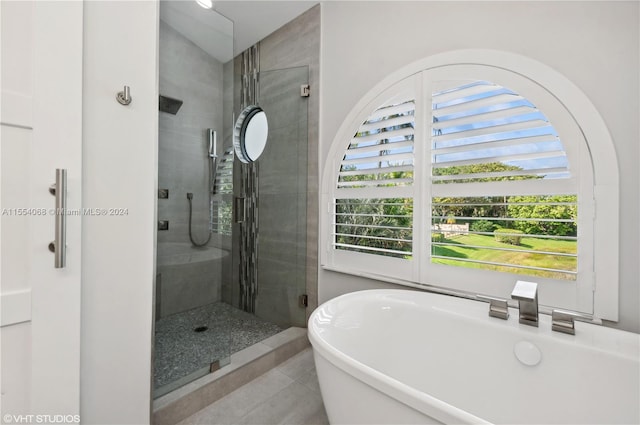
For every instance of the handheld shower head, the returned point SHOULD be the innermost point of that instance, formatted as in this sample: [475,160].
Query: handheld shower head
[212,143]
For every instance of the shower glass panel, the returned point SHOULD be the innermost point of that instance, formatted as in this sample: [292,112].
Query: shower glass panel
[281,207]
[282,203]
[192,331]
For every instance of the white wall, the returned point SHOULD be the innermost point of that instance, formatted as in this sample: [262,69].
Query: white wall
[120,171]
[594,44]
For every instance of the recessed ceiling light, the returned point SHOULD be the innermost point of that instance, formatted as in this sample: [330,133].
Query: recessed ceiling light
[207,4]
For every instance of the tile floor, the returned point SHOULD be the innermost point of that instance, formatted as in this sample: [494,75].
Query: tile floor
[288,394]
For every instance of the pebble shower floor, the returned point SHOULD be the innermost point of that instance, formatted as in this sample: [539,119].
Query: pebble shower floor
[180,349]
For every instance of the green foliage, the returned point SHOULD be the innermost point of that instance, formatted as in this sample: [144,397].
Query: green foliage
[379,223]
[394,175]
[374,222]
[510,236]
[482,226]
[491,167]
[482,207]
[487,207]
[550,207]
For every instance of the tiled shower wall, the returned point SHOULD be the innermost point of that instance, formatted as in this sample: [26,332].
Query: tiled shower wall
[280,246]
[189,74]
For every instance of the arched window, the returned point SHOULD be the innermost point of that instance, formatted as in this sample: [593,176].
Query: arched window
[471,176]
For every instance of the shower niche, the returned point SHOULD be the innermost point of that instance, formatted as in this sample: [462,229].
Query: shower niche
[200,319]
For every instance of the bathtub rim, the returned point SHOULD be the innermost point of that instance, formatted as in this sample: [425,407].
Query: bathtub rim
[403,393]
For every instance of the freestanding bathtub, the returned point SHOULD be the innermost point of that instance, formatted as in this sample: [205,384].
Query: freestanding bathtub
[399,356]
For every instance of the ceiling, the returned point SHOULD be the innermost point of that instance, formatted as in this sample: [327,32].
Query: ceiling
[252,21]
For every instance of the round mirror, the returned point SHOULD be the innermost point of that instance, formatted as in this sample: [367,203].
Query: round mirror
[250,134]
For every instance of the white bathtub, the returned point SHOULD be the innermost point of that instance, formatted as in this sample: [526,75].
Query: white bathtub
[397,356]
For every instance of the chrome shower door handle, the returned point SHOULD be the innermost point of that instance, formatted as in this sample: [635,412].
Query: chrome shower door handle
[59,245]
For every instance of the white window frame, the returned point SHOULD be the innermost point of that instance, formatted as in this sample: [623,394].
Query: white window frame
[556,96]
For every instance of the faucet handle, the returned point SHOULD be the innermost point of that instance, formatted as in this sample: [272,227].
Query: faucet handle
[498,307]
[525,291]
[563,321]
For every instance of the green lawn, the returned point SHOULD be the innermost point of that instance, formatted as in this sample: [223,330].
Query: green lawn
[463,250]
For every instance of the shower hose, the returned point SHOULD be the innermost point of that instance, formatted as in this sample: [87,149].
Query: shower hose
[190,198]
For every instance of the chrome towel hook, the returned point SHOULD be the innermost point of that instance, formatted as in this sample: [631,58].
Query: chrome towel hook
[124,97]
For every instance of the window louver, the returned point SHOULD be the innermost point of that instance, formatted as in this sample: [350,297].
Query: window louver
[374,226]
[381,152]
[485,132]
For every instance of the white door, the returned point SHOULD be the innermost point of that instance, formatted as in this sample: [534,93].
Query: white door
[41,117]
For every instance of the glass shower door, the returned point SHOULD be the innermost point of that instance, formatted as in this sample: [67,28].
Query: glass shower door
[282,215]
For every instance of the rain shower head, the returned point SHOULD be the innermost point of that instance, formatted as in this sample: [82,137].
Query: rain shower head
[170,105]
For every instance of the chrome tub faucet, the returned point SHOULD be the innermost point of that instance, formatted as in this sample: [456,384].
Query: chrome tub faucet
[527,295]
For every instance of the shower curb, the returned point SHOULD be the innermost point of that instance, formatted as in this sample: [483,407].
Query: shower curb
[245,366]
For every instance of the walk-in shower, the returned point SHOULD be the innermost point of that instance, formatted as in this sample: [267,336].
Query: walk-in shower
[204,202]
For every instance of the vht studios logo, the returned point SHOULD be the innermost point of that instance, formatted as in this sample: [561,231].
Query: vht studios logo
[41,419]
